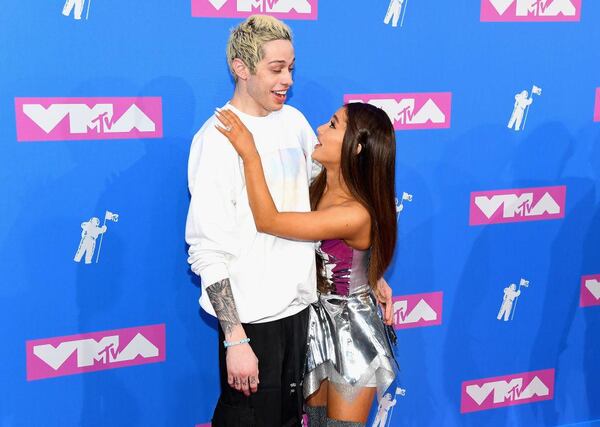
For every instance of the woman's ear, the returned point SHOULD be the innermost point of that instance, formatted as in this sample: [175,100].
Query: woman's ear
[240,69]
[358,149]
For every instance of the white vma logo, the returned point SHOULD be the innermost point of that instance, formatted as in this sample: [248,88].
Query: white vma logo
[276,6]
[83,118]
[593,286]
[403,111]
[422,311]
[536,7]
[90,351]
[514,205]
[507,390]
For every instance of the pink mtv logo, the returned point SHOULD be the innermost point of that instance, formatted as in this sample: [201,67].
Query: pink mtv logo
[590,291]
[508,390]
[530,10]
[97,351]
[516,205]
[597,106]
[283,9]
[413,311]
[411,110]
[65,119]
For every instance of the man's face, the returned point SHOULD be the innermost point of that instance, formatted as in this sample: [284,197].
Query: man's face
[268,86]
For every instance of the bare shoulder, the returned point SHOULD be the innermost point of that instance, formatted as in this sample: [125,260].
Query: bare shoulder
[354,211]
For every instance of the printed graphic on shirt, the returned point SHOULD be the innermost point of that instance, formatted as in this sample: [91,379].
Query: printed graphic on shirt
[510,298]
[521,106]
[530,10]
[395,12]
[282,9]
[90,231]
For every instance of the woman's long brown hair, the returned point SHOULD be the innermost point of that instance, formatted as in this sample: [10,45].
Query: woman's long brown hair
[370,177]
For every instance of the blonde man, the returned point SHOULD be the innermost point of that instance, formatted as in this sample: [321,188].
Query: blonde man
[257,285]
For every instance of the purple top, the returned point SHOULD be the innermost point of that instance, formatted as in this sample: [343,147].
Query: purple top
[345,268]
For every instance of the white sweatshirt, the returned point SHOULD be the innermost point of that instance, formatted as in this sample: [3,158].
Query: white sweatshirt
[271,277]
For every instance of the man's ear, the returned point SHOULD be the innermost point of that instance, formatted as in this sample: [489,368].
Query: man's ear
[240,69]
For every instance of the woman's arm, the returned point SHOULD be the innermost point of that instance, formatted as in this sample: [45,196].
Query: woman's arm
[340,222]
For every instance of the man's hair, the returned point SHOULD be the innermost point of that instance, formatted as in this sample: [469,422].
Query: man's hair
[246,41]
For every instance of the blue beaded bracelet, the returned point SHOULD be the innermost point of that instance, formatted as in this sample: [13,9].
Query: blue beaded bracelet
[231,344]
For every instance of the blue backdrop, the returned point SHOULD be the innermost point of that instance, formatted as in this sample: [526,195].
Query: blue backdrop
[157,49]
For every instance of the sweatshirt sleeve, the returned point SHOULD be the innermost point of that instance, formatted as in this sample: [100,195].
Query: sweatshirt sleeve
[213,171]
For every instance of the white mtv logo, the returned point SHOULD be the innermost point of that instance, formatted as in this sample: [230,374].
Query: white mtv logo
[90,351]
[517,205]
[422,311]
[83,118]
[536,7]
[276,6]
[507,390]
[403,111]
[593,285]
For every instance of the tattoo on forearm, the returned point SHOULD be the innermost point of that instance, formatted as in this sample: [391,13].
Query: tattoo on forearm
[221,298]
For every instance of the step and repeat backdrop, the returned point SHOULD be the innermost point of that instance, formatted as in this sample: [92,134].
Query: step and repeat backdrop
[496,277]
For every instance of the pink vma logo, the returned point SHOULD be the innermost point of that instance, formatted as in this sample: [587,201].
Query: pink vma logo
[530,10]
[284,9]
[508,390]
[65,119]
[413,311]
[97,351]
[597,106]
[590,291]
[411,110]
[521,204]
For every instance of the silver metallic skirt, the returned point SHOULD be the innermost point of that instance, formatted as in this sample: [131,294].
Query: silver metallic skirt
[348,345]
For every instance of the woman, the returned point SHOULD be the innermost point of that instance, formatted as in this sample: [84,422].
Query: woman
[354,216]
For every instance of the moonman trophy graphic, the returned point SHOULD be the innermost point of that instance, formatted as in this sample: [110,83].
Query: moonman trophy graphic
[394,11]
[90,231]
[510,299]
[521,108]
[385,405]
[78,6]
[400,205]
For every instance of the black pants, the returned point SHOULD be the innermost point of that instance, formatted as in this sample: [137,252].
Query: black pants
[280,347]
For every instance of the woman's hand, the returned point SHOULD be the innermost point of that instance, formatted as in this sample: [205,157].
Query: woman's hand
[237,133]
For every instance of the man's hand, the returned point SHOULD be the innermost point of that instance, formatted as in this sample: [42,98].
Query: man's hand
[242,368]
[383,294]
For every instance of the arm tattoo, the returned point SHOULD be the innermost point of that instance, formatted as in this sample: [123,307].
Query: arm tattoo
[221,298]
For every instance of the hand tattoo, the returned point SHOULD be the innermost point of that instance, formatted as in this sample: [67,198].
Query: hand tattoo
[221,298]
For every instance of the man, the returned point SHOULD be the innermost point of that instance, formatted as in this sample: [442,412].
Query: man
[258,286]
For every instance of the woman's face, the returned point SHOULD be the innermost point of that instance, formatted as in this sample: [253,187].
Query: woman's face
[331,136]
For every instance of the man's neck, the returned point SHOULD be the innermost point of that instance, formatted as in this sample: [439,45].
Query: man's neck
[246,104]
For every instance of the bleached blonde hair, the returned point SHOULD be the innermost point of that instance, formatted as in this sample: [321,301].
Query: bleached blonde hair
[246,41]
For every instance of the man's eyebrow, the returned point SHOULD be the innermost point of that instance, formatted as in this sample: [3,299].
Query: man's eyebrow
[281,61]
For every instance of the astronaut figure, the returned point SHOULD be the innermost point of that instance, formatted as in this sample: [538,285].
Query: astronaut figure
[385,404]
[70,4]
[522,101]
[87,245]
[510,294]
[393,12]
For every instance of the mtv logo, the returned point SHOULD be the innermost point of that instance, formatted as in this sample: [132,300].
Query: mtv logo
[517,205]
[75,354]
[411,110]
[516,389]
[53,119]
[417,310]
[590,291]
[282,9]
[530,10]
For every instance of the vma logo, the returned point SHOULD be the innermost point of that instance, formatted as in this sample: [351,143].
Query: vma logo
[516,205]
[517,389]
[75,354]
[63,119]
[413,311]
[590,291]
[530,10]
[283,9]
[411,110]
